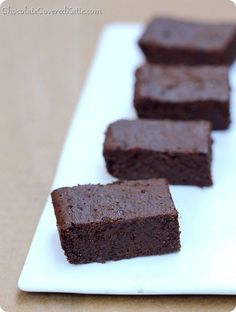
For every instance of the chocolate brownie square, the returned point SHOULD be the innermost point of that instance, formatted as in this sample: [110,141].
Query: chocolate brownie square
[179,151]
[125,219]
[171,41]
[183,93]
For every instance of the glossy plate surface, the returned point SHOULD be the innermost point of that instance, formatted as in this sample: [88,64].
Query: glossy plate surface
[206,263]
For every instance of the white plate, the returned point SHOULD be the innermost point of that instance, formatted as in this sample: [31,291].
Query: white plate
[206,263]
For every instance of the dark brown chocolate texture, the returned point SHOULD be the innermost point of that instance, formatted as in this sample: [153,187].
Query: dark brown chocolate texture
[125,219]
[183,93]
[177,150]
[170,41]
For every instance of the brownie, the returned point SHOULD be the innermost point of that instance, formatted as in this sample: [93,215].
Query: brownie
[125,219]
[170,41]
[179,151]
[183,93]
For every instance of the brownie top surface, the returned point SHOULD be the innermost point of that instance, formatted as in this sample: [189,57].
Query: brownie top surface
[171,33]
[112,202]
[159,136]
[181,84]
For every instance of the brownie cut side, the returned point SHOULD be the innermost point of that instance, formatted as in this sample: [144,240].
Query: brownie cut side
[124,219]
[179,151]
[171,41]
[183,93]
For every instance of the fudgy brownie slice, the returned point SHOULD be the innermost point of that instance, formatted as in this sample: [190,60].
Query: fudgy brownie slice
[183,93]
[121,220]
[177,150]
[170,41]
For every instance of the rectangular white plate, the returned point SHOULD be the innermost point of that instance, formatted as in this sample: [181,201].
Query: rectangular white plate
[206,263]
